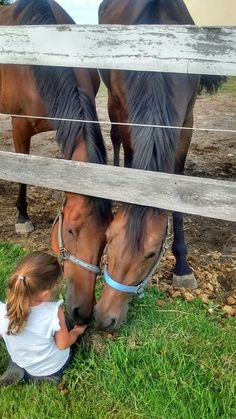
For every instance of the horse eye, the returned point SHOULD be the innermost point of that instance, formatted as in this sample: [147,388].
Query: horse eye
[71,232]
[150,255]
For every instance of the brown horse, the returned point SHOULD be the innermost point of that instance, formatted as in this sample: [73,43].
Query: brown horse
[136,236]
[19,96]
[79,233]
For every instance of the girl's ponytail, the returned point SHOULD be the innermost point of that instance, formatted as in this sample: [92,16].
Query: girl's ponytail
[18,304]
[37,272]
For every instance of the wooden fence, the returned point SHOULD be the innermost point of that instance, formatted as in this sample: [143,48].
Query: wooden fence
[186,49]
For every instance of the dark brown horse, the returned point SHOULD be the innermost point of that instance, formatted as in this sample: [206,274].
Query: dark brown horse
[19,95]
[137,234]
[79,234]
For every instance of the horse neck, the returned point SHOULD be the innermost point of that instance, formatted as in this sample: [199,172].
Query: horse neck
[6,15]
[176,11]
[125,12]
[128,12]
[61,16]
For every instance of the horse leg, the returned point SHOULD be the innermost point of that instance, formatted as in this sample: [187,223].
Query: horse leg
[128,155]
[126,139]
[22,132]
[182,275]
[119,133]
[114,132]
[116,142]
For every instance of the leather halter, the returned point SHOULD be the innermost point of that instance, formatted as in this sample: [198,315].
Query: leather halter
[138,289]
[65,254]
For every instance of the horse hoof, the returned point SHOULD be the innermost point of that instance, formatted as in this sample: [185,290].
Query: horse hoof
[185,281]
[24,228]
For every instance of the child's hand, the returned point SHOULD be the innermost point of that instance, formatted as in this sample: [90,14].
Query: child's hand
[63,338]
[78,329]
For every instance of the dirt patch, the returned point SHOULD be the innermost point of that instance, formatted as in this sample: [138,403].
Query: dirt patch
[212,243]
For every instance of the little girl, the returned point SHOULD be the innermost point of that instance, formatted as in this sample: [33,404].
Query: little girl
[33,328]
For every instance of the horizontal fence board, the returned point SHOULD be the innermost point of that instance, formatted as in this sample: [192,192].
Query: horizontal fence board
[180,49]
[205,197]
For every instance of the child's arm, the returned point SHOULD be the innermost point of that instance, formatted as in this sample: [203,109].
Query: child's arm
[63,338]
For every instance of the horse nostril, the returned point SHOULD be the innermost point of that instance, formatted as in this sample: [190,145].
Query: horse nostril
[108,326]
[112,324]
[79,319]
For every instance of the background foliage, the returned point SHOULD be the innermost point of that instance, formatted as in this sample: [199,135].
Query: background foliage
[4,2]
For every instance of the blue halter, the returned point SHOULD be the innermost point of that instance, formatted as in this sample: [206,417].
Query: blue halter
[136,289]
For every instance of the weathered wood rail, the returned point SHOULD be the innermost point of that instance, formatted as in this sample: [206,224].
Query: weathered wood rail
[199,196]
[179,49]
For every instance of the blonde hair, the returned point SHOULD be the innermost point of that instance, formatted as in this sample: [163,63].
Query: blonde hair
[38,271]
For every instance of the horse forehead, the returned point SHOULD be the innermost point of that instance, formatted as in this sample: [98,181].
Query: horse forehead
[77,206]
[157,220]
[117,225]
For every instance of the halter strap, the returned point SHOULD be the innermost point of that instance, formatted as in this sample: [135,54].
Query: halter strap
[133,289]
[66,255]
[137,289]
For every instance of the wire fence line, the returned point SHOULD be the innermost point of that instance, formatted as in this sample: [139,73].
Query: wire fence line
[232,131]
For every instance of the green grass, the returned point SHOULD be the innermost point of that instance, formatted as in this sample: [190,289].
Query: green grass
[10,254]
[229,86]
[174,361]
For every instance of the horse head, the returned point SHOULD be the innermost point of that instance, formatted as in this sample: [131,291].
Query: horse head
[135,243]
[78,237]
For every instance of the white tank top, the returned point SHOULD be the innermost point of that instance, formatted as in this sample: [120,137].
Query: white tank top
[35,349]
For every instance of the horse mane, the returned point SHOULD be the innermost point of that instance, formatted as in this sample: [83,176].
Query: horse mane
[149,101]
[56,85]
[63,99]
[137,216]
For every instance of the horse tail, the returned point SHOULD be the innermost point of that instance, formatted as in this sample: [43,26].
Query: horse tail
[211,84]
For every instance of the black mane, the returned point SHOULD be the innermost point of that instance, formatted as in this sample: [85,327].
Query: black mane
[63,99]
[149,101]
[136,225]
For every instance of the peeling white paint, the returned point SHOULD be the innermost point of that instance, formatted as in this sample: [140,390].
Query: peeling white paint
[180,49]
